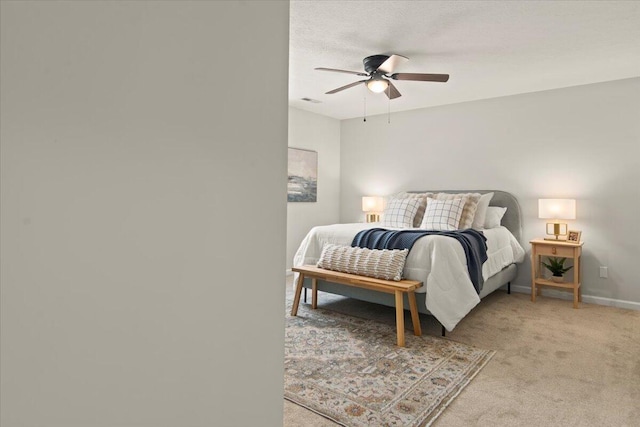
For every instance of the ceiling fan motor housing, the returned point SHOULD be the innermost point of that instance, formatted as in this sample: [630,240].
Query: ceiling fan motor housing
[371,63]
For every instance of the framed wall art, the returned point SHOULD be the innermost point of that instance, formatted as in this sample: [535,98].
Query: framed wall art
[303,175]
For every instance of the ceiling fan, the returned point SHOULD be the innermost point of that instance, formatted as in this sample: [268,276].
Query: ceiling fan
[379,68]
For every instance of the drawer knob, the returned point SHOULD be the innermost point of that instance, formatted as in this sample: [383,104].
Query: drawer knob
[553,250]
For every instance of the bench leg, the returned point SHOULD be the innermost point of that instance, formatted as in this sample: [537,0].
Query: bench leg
[296,300]
[415,317]
[400,318]
[314,293]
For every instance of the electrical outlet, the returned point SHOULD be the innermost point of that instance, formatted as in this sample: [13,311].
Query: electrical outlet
[604,272]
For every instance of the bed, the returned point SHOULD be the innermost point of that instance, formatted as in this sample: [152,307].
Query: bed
[438,262]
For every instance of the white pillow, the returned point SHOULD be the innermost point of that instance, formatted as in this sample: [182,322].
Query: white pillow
[481,211]
[494,216]
[443,215]
[384,264]
[399,213]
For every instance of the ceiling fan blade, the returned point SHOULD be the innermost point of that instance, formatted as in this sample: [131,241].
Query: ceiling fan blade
[357,73]
[420,77]
[391,63]
[345,87]
[392,92]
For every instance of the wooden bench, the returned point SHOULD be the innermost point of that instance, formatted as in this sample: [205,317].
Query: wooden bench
[389,286]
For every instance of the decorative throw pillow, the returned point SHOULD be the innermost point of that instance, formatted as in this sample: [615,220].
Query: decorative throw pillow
[399,213]
[384,264]
[423,203]
[443,215]
[481,211]
[494,216]
[470,206]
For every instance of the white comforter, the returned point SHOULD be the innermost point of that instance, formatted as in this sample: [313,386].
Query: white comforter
[438,262]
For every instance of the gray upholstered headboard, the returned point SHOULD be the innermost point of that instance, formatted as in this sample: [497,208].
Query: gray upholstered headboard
[512,218]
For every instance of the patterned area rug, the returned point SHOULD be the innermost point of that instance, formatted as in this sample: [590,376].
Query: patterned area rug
[350,370]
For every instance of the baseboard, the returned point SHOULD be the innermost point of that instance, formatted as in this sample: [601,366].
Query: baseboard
[631,305]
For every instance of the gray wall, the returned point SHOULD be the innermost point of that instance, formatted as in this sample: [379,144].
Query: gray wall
[581,142]
[321,134]
[138,149]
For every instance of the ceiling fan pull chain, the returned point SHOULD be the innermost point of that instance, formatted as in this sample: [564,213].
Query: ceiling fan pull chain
[365,108]
[389,108]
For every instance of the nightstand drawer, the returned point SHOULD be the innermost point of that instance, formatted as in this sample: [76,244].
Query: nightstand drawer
[559,251]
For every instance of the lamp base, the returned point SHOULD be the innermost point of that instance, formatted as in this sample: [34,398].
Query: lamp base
[373,217]
[557,229]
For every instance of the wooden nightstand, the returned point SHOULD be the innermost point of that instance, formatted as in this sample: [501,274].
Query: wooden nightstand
[553,248]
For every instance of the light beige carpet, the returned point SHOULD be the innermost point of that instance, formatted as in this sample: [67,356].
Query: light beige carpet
[350,370]
[554,365]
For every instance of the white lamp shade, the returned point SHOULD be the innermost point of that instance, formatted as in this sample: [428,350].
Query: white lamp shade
[557,208]
[372,204]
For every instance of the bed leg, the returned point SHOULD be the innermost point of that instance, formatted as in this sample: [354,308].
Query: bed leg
[305,295]
[508,288]
[444,331]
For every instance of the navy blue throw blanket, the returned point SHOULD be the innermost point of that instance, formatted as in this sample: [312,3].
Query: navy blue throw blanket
[473,242]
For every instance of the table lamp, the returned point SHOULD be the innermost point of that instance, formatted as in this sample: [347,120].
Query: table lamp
[556,210]
[372,205]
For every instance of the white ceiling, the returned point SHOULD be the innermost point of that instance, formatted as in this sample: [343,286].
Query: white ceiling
[490,49]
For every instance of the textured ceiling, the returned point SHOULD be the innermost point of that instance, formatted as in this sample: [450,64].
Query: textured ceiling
[490,49]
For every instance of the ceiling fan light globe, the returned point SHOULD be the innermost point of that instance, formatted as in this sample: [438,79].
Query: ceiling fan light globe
[377,85]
